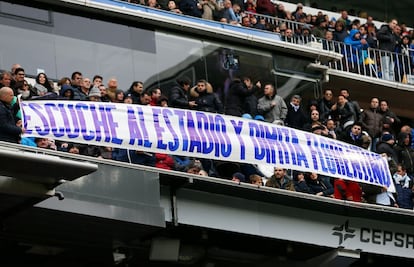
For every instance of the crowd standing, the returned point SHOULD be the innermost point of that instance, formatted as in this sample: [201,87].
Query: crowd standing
[376,128]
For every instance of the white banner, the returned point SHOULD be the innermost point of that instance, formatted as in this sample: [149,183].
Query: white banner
[203,135]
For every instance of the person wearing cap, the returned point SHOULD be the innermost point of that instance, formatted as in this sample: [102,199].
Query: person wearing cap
[280,180]
[95,94]
[128,99]
[320,28]
[238,177]
[385,145]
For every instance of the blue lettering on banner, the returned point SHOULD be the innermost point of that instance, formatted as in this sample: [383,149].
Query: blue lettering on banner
[207,135]
[137,130]
[277,145]
[175,143]
[238,127]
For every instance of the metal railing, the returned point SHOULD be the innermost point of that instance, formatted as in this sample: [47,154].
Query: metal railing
[375,63]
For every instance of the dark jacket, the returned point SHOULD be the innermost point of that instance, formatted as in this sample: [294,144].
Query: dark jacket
[387,40]
[206,101]
[178,97]
[235,99]
[9,132]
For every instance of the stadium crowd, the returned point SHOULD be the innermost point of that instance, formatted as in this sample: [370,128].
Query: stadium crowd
[386,52]
[339,117]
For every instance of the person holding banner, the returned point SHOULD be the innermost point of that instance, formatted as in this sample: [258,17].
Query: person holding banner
[10,130]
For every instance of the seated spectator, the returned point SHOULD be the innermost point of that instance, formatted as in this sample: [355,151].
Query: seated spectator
[134,156]
[95,95]
[280,180]
[128,99]
[319,186]
[42,85]
[238,177]
[256,180]
[300,183]
[347,190]
[45,143]
[164,161]
[404,188]
[191,8]
[211,10]
[172,6]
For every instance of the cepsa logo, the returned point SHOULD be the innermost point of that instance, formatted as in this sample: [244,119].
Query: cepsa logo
[373,236]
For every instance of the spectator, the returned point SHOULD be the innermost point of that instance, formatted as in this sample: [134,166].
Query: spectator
[325,105]
[94,95]
[42,85]
[356,46]
[211,10]
[239,177]
[280,180]
[24,90]
[313,121]
[404,188]
[155,94]
[371,120]
[191,8]
[295,117]
[345,20]
[5,79]
[389,119]
[319,186]
[387,41]
[10,128]
[85,87]
[385,146]
[145,99]
[172,6]
[96,81]
[112,89]
[256,179]
[347,190]
[66,92]
[136,89]
[343,114]
[340,32]
[355,105]
[179,94]
[205,99]
[320,29]
[272,106]
[300,183]
[354,135]
[265,7]
[18,79]
[164,161]
[405,153]
[236,97]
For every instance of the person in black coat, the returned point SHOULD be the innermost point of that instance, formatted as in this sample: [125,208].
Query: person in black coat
[10,129]
[179,94]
